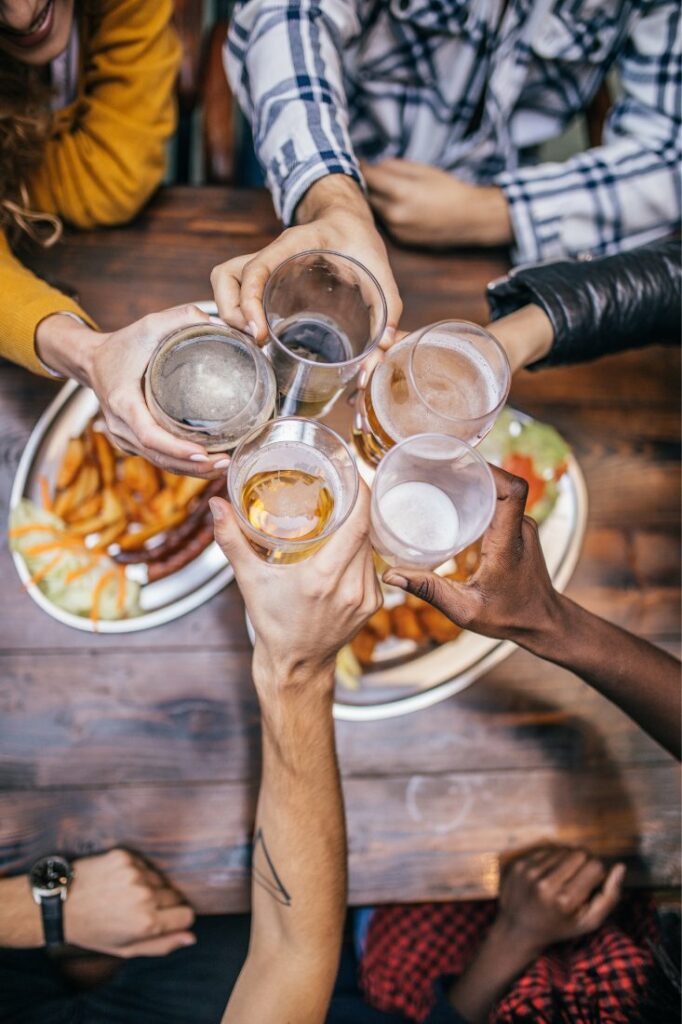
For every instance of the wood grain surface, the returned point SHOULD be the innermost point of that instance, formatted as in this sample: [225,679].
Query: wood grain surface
[152,739]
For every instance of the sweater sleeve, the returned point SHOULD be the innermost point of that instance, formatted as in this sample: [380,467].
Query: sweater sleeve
[598,307]
[28,300]
[108,154]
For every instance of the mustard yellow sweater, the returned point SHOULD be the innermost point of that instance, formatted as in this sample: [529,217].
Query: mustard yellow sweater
[106,154]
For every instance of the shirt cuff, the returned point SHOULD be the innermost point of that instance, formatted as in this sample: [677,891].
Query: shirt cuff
[288,191]
[537,232]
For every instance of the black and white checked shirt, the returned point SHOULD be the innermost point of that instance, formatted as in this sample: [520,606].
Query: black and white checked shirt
[473,87]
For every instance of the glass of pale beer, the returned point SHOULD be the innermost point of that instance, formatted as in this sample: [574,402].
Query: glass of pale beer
[432,496]
[292,482]
[325,314]
[449,378]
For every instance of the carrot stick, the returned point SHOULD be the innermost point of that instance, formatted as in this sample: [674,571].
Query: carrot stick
[81,571]
[45,493]
[53,545]
[21,531]
[41,573]
[121,596]
[102,582]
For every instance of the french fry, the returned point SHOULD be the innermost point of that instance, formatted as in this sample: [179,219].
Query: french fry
[83,488]
[131,507]
[140,476]
[164,504]
[45,499]
[71,464]
[111,511]
[88,509]
[406,625]
[110,534]
[188,488]
[133,541]
[380,623]
[105,458]
[171,480]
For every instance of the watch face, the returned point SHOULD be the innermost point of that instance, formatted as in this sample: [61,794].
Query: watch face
[50,875]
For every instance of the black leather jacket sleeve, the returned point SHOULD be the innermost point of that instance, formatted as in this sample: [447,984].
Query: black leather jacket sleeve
[600,306]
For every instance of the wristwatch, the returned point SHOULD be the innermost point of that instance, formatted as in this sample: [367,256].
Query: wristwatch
[50,878]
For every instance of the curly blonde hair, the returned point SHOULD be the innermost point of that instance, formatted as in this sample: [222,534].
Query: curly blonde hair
[25,126]
[25,121]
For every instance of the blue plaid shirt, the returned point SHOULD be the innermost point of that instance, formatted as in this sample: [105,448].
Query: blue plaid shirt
[473,87]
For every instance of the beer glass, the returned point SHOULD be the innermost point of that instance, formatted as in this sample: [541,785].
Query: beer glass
[325,314]
[448,378]
[292,482]
[432,496]
[210,383]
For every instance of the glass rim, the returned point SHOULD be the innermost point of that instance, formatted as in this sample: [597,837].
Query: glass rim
[333,526]
[468,450]
[477,329]
[376,338]
[257,357]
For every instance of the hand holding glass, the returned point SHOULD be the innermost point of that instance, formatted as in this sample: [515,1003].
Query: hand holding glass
[325,314]
[292,483]
[449,378]
[432,496]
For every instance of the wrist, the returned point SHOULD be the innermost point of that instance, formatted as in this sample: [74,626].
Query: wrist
[331,195]
[22,925]
[512,946]
[526,335]
[294,679]
[66,346]
[548,638]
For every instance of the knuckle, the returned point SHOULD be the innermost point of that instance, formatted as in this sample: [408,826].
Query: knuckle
[147,922]
[519,488]
[121,858]
[425,588]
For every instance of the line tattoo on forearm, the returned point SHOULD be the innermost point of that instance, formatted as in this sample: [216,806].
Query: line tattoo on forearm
[266,874]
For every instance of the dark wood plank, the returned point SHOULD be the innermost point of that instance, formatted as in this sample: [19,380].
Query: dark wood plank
[410,835]
[115,719]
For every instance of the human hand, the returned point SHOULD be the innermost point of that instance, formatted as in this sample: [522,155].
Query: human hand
[304,613]
[511,595]
[333,214]
[424,205]
[554,894]
[113,365]
[121,906]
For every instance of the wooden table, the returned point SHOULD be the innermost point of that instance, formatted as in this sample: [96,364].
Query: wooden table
[151,740]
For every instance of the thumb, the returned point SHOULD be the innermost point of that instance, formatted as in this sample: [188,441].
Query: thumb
[228,535]
[451,598]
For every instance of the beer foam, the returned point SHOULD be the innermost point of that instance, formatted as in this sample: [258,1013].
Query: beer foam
[421,515]
[207,381]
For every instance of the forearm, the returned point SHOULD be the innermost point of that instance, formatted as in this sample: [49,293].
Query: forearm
[499,960]
[20,924]
[526,335]
[299,863]
[640,678]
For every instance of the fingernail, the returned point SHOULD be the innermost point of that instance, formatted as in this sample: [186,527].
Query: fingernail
[216,510]
[394,579]
[222,464]
[389,335]
[198,457]
[252,328]
[189,940]
[362,378]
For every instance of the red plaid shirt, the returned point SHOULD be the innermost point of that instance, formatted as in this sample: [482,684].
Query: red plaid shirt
[593,979]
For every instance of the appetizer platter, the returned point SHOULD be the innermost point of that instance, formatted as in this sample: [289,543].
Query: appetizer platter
[104,541]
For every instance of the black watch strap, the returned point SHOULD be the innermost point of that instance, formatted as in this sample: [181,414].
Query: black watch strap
[51,908]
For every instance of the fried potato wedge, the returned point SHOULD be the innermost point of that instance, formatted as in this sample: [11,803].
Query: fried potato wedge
[81,490]
[111,512]
[188,488]
[380,623]
[87,510]
[71,463]
[132,541]
[363,646]
[106,458]
[437,625]
[110,534]
[406,624]
[140,476]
